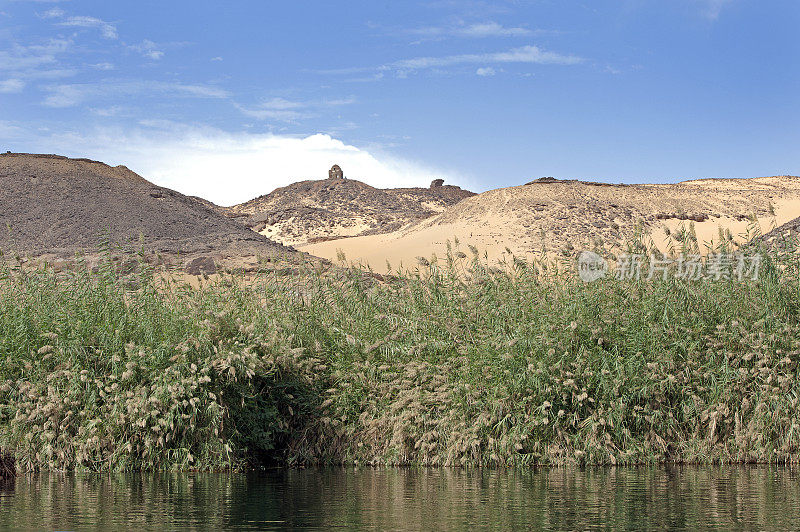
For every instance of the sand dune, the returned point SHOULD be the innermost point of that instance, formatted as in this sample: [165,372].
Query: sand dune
[565,217]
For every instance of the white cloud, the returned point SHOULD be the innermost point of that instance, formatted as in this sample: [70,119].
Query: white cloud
[281,104]
[21,64]
[29,58]
[230,168]
[109,31]
[336,102]
[260,113]
[275,109]
[287,110]
[367,79]
[114,110]
[49,73]
[492,29]
[485,29]
[10,131]
[70,95]
[148,49]
[486,71]
[55,12]
[11,85]
[524,54]
[52,46]
[713,8]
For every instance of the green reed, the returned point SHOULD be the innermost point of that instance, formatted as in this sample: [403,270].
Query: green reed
[454,363]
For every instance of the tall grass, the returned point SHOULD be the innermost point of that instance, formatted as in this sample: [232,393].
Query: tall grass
[456,363]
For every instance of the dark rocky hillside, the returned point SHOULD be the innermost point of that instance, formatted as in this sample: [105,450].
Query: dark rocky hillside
[313,211]
[786,236]
[56,205]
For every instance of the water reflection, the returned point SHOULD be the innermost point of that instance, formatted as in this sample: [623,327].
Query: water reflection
[742,498]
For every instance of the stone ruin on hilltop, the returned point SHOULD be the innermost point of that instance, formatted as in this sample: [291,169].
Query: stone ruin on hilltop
[335,172]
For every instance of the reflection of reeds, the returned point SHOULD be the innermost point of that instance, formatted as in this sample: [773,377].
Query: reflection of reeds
[455,363]
[563,498]
[8,466]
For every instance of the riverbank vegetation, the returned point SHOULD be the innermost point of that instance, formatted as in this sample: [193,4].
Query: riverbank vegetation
[453,364]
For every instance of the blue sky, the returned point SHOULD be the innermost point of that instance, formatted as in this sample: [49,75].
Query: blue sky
[230,99]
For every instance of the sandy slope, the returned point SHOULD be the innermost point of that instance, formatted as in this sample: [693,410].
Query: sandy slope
[567,216]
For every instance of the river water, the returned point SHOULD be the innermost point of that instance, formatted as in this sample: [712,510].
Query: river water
[675,498]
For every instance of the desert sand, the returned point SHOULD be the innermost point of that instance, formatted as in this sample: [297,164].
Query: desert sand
[565,217]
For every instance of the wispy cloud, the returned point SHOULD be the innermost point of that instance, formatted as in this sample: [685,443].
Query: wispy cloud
[70,95]
[55,12]
[148,49]
[524,54]
[377,76]
[713,8]
[20,59]
[114,110]
[12,85]
[20,64]
[281,104]
[484,29]
[35,60]
[486,71]
[340,101]
[492,29]
[289,111]
[49,73]
[9,130]
[275,109]
[529,54]
[107,30]
[474,8]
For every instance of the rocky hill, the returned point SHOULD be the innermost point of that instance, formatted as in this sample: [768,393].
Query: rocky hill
[786,236]
[562,217]
[315,211]
[53,205]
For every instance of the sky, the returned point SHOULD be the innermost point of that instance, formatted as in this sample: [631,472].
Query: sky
[228,100]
